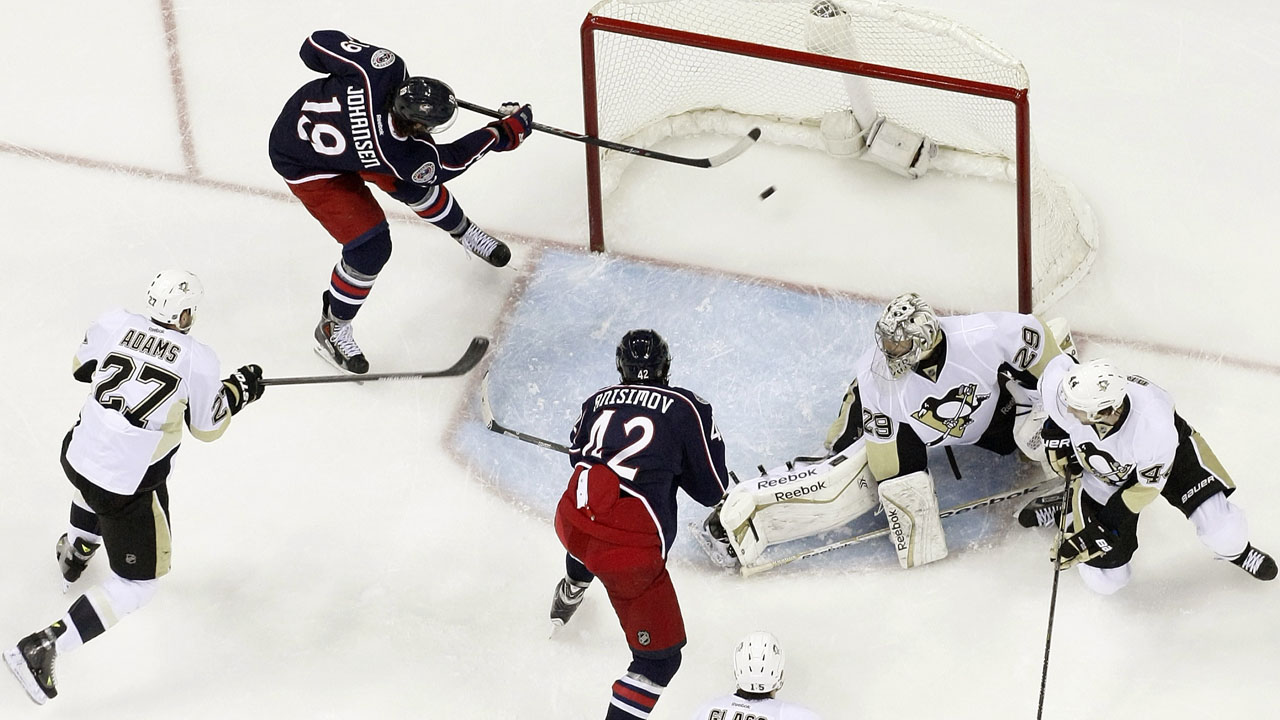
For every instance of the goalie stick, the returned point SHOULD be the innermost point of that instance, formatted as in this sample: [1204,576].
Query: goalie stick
[486,413]
[475,351]
[749,570]
[707,162]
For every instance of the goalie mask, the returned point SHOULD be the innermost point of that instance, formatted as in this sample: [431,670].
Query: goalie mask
[173,297]
[757,663]
[1093,391]
[906,333]
[424,103]
[643,358]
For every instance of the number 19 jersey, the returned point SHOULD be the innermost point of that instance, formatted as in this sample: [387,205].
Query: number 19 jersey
[148,381]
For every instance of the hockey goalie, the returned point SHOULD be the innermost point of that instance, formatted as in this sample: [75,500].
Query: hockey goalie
[931,382]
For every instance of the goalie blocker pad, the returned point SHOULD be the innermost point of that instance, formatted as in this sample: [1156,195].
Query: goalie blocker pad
[911,507]
[797,500]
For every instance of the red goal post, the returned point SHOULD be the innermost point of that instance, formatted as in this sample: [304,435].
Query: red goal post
[656,68]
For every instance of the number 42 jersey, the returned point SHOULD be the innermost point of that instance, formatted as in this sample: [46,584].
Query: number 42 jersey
[148,381]
[657,439]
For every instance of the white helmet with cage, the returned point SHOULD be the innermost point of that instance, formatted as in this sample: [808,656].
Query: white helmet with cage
[757,663]
[906,333]
[173,297]
[1093,390]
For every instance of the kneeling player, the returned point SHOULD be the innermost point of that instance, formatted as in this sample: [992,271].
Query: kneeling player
[1124,443]
[931,382]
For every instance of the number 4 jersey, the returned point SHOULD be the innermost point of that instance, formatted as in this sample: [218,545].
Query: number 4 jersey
[147,382]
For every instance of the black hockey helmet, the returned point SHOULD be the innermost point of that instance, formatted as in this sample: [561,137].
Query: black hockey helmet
[426,102]
[643,357]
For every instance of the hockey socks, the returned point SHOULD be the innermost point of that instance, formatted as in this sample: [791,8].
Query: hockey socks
[633,697]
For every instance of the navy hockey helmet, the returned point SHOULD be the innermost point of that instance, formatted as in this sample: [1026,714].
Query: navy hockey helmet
[643,357]
[426,102]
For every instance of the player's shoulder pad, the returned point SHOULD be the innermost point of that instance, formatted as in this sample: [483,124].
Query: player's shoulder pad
[688,394]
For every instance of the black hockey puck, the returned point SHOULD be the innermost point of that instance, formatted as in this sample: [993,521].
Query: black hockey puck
[767,192]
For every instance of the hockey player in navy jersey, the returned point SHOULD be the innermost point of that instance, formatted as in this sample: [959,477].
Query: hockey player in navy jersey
[368,121]
[149,379]
[633,446]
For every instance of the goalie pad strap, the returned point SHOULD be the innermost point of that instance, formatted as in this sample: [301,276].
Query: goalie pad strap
[911,507]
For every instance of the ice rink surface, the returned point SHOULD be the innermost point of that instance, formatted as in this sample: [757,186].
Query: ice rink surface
[338,554]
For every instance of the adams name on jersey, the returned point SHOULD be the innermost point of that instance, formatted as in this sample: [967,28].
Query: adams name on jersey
[148,382]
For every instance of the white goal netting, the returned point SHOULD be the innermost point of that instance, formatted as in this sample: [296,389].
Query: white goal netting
[754,74]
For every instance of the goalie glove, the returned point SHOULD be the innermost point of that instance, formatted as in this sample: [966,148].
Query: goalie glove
[243,387]
[1091,543]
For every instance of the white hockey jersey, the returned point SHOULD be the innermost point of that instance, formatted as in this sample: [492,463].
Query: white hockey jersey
[732,707]
[147,382]
[956,406]
[1141,447]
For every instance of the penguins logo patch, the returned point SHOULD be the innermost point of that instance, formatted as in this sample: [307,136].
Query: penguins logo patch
[951,414]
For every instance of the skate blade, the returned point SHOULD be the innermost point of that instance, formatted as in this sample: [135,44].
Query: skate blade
[18,666]
[713,551]
[327,357]
[556,627]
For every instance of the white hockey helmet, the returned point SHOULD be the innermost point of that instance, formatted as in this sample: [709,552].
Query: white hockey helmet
[757,663]
[173,297]
[906,333]
[1093,390]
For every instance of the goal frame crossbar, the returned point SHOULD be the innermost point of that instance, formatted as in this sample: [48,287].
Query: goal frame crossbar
[1018,97]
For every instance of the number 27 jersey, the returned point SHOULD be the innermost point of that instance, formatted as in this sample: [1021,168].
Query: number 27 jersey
[147,382]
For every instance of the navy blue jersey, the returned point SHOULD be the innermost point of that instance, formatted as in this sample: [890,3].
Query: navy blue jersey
[341,124]
[657,439]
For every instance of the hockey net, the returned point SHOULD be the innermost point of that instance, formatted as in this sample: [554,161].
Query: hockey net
[654,69]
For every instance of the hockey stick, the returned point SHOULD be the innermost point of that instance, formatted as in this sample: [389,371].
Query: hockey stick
[486,413]
[707,162]
[749,570]
[1053,597]
[476,350]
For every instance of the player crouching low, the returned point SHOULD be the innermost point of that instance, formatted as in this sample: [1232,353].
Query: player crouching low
[1123,443]
[931,382]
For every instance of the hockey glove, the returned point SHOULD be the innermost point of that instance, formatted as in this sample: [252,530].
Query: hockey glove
[1091,543]
[513,128]
[1059,452]
[243,387]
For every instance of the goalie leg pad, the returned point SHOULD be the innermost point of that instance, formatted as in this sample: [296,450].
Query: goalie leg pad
[797,501]
[911,507]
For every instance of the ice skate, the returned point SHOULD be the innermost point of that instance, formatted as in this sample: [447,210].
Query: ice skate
[336,343]
[73,558]
[715,541]
[1043,511]
[485,246]
[31,661]
[1256,563]
[565,602]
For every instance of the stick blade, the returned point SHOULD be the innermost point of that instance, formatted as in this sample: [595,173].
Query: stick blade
[738,148]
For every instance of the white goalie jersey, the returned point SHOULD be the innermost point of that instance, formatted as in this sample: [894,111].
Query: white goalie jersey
[148,381]
[953,399]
